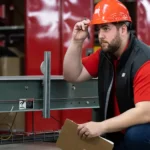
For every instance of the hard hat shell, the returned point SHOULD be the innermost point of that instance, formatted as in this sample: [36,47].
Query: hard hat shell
[108,11]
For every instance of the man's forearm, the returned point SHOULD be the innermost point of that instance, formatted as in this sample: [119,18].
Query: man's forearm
[72,66]
[129,118]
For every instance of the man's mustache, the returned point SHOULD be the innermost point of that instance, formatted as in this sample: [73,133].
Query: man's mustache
[102,41]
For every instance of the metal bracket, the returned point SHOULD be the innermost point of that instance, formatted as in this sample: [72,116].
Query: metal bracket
[46,91]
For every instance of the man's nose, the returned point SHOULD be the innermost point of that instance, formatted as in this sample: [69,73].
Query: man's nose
[101,34]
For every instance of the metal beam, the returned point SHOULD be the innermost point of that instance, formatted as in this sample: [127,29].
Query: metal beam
[45,93]
[25,93]
[46,81]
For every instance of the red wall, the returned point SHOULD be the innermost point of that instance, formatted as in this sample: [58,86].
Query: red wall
[48,28]
[143,20]
[42,34]
[73,12]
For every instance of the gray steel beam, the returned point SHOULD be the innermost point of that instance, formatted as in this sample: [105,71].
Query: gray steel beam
[46,81]
[25,93]
[45,93]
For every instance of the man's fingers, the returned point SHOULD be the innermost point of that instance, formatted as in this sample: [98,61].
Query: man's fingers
[89,136]
[83,25]
[80,26]
[81,132]
[83,136]
[79,128]
[86,21]
[86,133]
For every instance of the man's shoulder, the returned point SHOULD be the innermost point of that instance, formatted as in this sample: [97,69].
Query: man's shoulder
[141,46]
[141,57]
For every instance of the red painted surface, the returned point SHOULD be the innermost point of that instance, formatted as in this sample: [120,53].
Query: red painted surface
[48,27]
[42,34]
[143,20]
[72,13]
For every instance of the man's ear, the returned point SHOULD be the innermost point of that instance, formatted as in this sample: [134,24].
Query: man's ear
[123,29]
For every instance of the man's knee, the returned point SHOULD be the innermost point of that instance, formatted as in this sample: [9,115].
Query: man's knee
[132,134]
[137,135]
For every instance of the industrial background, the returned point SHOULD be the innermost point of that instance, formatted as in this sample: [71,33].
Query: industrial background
[30,27]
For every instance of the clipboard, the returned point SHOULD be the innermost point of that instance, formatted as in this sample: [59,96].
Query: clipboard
[69,140]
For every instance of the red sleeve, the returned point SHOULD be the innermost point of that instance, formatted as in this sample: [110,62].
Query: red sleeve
[91,63]
[142,84]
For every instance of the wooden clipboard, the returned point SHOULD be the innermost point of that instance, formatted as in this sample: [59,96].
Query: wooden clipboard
[69,139]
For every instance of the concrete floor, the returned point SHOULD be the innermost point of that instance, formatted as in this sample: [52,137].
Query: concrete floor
[30,146]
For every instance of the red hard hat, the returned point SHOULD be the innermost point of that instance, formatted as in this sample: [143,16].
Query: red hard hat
[108,11]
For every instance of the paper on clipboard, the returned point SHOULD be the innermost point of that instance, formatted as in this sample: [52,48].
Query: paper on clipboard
[69,140]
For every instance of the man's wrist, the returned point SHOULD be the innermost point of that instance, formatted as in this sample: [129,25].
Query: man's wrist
[79,42]
[103,127]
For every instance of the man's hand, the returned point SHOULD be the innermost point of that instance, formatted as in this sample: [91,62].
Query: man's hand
[80,31]
[90,129]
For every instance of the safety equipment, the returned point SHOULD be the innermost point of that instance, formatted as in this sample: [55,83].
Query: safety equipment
[108,11]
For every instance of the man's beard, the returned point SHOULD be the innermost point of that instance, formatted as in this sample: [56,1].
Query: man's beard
[111,47]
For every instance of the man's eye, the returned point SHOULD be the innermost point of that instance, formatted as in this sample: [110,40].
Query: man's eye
[105,28]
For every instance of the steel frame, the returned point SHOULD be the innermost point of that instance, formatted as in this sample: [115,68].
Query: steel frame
[46,92]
